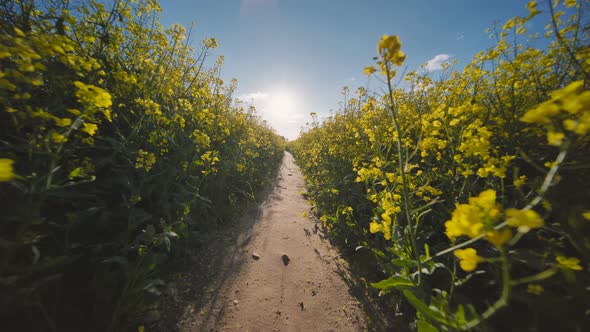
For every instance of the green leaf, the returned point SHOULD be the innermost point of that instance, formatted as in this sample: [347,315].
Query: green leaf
[403,262]
[424,326]
[427,250]
[424,309]
[75,172]
[398,282]
[460,315]
[379,253]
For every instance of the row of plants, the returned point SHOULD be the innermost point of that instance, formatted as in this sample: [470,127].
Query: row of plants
[119,143]
[470,191]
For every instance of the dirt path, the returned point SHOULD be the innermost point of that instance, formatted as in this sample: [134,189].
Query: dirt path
[264,294]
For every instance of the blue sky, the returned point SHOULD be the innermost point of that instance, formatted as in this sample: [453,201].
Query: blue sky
[292,57]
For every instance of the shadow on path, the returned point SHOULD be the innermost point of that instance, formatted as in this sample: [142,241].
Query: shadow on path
[213,260]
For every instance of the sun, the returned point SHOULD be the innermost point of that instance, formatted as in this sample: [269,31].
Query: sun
[282,102]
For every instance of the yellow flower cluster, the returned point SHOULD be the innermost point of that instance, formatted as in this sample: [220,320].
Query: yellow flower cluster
[347,210]
[389,47]
[475,218]
[568,110]
[468,258]
[93,98]
[201,139]
[145,160]
[368,174]
[209,159]
[523,220]
[482,214]
[89,128]
[6,170]
[383,227]
[569,263]
[58,138]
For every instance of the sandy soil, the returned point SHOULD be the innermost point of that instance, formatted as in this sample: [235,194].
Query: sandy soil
[265,294]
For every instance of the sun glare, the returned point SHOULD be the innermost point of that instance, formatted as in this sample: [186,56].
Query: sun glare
[282,102]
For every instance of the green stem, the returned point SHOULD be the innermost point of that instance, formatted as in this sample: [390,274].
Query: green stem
[537,277]
[405,195]
[502,301]
[550,175]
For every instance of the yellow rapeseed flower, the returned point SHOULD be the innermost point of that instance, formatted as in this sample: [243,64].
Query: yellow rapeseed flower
[19,32]
[58,138]
[532,7]
[486,201]
[498,238]
[74,111]
[464,221]
[474,218]
[388,44]
[389,48]
[570,3]
[555,138]
[62,122]
[369,70]
[210,43]
[145,160]
[6,170]
[89,128]
[520,181]
[542,114]
[468,258]
[535,289]
[573,101]
[524,220]
[93,95]
[571,263]
[383,227]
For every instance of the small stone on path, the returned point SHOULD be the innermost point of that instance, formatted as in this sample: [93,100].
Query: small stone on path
[255,256]
[286,259]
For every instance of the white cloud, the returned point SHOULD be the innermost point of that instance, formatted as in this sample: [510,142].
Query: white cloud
[436,62]
[421,87]
[254,96]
